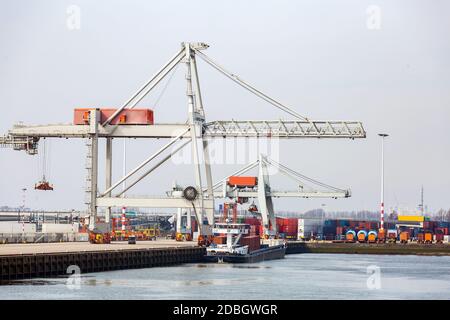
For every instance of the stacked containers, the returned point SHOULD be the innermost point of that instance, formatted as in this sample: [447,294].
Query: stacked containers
[255,226]
[194,227]
[280,222]
[329,229]
[290,228]
[253,242]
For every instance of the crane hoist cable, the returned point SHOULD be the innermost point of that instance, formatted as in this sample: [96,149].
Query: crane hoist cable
[169,80]
[249,87]
[44,185]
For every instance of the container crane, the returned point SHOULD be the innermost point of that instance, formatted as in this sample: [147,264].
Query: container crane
[263,192]
[197,130]
[240,189]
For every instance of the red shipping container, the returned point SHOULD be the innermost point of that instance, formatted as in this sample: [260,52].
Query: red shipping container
[289,229]
[280,222]
[126,116]
[254,230]
[241,181]
[253,242]
[252,221]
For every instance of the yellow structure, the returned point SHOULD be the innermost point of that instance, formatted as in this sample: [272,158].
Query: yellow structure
[411,218]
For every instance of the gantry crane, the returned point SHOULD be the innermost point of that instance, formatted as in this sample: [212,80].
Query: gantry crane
[262,191]
[197,130]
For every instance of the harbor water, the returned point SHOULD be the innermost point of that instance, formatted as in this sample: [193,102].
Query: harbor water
[298,276]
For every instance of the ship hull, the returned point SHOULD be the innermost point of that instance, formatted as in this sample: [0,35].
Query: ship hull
[269,253]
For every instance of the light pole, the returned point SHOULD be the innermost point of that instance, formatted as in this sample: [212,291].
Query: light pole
[382,135]
[22,207]
[23,198]
[322,220]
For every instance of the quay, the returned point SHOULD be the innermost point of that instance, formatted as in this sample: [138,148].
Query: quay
[369,248]
[26,261]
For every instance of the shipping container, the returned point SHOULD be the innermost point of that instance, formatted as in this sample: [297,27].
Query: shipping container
[307,228]
[125,117]
[330,223]
[17,227]
[242,181]
[411,218]
[252,221]
[253,242]
[60,228]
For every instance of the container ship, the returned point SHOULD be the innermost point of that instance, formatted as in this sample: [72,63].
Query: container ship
[233,244]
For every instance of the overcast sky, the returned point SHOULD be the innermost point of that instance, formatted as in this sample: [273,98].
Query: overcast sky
[384,63]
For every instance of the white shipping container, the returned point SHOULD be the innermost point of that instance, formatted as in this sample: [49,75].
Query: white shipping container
[60,227]
[17,227]
[195,236]
[306,227]
[273,242]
